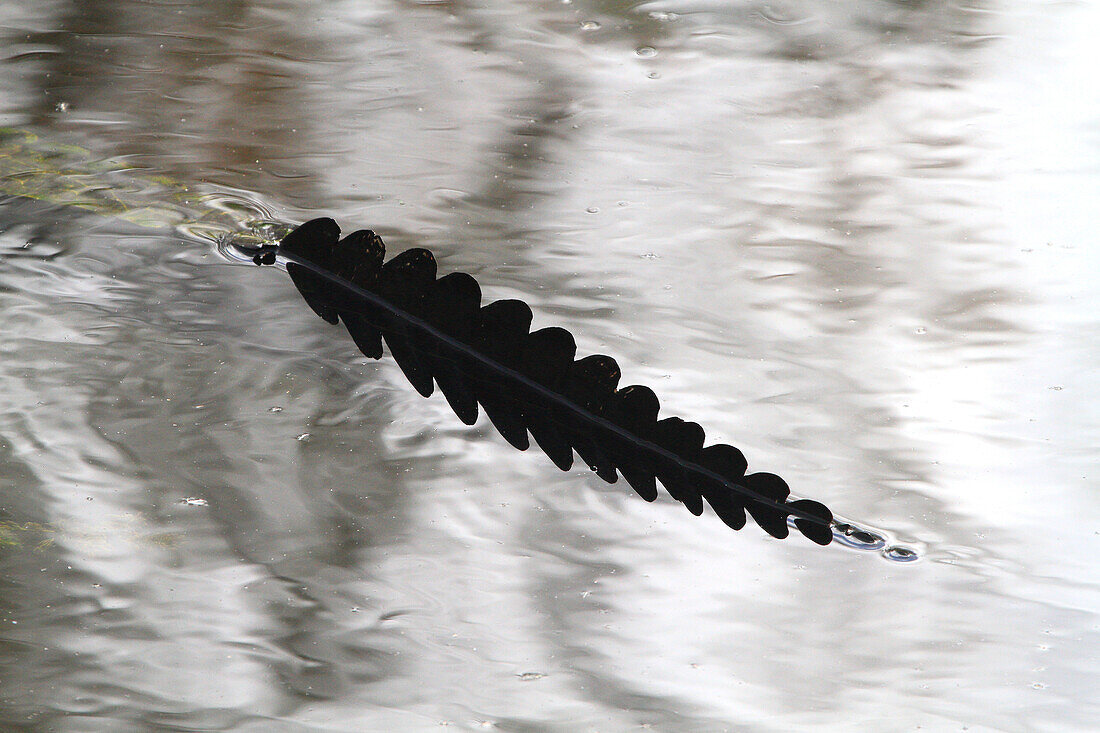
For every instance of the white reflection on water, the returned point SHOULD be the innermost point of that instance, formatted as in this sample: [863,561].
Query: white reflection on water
[855,242]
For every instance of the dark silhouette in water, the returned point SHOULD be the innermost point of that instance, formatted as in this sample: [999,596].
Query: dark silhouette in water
[528,383]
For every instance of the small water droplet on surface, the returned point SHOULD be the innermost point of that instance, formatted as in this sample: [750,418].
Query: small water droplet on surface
[663,16]
[1056,388]
[303,437]
[590,25]
[651,256]
[921,330]
[653,75]
[593,210]
[645,52]
[275,408]
[194,501]
[530,676]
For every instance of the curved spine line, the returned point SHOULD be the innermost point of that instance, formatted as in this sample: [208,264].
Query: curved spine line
[690,467]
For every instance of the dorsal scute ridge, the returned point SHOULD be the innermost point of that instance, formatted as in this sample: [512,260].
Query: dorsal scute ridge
[528,382]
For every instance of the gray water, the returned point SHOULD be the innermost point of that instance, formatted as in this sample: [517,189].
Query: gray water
[856,240]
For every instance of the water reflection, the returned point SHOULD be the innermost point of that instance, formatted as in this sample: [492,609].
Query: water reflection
[812,227]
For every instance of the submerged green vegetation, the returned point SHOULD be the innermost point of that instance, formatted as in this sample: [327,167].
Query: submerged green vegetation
[68,175]
[25,535]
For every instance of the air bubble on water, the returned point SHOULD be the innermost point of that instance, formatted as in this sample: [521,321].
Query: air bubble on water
[593,210]
[857,537]
[653,75]
[921,330]
[900,554]
[860,538]
[530,676]
[274,408]
[194,501]
[303,437]
[645,52]
[590,25]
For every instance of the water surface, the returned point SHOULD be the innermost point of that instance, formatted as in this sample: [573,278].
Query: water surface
[854,241]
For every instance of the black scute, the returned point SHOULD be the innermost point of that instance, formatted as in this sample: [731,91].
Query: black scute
[359,256]
[451,305]
[821,533]
[771,520]
[728,462]
[504,323]
[591,382]
[635,409]
[315,241]
[404,352]
[593,457]
[403,281]
[547,355]
[684,440]
[367,338]
[501,336]
[359,259]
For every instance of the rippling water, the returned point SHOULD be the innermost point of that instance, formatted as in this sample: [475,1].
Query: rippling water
[853,239]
